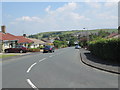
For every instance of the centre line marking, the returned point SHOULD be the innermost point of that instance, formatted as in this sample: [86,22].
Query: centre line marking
[31,67]
[42,60]
[31,84]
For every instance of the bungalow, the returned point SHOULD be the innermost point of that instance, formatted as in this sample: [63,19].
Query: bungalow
[22,40]
[0,46]
[37,43]
[48,42]
[7,40]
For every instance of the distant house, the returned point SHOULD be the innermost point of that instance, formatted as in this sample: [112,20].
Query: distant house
[48,42]
[36,43]
[113,35]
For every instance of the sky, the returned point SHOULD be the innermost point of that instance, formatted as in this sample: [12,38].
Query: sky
[36,17]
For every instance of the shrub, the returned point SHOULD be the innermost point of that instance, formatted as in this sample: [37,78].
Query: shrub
[34,50]
[60,44]
[41,47]
[107,49]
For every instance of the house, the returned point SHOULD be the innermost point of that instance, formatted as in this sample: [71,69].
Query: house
[7,40]
[0,46]
[113,35]
[48,41]
[37,43]
[22,40]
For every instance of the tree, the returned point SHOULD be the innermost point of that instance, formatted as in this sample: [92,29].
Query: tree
[103,34]
[72,41]
[83,41]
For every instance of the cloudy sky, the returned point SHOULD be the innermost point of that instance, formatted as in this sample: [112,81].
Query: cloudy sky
[35,17]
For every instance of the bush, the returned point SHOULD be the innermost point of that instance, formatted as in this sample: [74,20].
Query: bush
[41,47]
[107,49]
[34,50]
[60,44]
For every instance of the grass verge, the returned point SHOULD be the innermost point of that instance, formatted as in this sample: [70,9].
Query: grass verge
[4,56]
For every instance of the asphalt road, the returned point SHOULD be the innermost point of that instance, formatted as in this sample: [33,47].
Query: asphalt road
[61,69]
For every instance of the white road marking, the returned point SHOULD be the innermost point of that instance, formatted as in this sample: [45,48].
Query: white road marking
[42,60]
[31,84]
[31,67]
[51,56]
[28,80]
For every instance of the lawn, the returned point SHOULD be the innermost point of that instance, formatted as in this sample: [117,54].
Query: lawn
[4,56]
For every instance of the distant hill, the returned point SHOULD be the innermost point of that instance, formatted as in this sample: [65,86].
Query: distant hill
[57,33]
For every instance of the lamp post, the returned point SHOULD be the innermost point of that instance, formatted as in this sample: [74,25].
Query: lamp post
[87,34]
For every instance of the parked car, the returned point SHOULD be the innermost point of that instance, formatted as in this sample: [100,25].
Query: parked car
[16,49]
[77,47]
[48,48]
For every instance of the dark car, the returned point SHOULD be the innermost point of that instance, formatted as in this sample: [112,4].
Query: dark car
[16,49]
[48,49]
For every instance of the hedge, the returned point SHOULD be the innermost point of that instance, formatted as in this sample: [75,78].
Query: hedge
[107,49]
[34,50]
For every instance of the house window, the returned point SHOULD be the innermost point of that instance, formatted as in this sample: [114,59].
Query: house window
[6,44]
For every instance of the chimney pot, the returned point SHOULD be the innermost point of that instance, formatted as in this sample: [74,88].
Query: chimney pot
[24,35]
[3,28]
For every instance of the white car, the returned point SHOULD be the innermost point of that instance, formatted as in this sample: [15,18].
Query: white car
[77,47]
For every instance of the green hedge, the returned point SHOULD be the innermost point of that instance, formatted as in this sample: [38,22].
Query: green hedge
[107,49]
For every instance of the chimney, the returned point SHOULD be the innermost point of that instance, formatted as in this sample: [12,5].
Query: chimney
[3,28]
[24,35]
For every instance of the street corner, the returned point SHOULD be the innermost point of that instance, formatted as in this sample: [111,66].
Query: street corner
[88,59]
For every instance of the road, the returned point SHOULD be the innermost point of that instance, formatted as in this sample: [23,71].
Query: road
[61,69]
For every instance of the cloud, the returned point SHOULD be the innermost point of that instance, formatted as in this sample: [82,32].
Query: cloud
[67,7]
[47,9]
[110,4]
[94,4]
[107,16]
[67,17]
[113,1]
[66,12]
[28,18]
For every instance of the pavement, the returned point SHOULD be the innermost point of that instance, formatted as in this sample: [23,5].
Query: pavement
[90,60]
[61,69]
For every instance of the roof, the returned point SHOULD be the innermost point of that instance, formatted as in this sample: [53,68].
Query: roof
[22,39]
[112,35]
[10,37]
[7,36]
[46,41]
[37,41]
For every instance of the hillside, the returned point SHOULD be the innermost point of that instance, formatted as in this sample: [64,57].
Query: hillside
[57,33]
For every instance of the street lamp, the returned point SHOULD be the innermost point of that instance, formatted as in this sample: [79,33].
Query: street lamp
[87,34]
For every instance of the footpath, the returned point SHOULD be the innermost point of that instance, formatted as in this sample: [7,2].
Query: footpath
[90,60]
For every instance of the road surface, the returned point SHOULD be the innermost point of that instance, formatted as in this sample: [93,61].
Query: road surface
[61,69]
